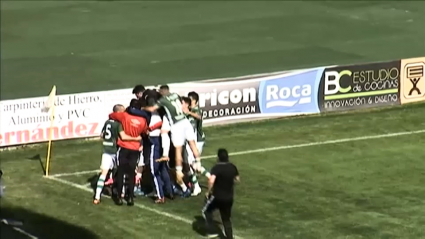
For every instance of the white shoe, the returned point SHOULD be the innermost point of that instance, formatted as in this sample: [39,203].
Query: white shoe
[196,191]
[213,235]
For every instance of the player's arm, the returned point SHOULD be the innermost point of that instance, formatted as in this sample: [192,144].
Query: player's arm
[195,114]
[237,178]
[153,108]
[126,137]
[118,116]
[137,112]
[155,126]
[165,139]
[211,180]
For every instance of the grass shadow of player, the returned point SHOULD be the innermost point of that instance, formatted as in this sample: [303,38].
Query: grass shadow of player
[93,181]
[41,226]
[198,225]
[107,189]
[38,157]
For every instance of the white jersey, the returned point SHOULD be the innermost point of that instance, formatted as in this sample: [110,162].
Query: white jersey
[155,118]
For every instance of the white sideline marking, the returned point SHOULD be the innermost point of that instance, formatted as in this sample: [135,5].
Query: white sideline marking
[16,223]
[24,232]
[162,213]
[336,141]
[75,173]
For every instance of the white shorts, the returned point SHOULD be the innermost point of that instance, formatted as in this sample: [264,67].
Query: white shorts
[108,161]
[190,157]
[182,131]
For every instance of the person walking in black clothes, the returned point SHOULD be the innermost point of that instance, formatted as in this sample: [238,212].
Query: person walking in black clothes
[220,194]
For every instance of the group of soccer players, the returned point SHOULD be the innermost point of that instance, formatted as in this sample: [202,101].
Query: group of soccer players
[136,141]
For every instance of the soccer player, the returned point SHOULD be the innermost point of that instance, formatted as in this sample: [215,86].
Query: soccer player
[111,131]
[195,118]
[138,91]
[159,168]
[129,151]
[166,144]
[181,129]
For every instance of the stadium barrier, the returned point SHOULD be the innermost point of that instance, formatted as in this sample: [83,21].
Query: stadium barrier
[280,94]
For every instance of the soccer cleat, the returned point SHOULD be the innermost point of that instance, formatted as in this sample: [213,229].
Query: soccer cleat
[176,190]
[212,235]
[108,182]
[130,201]
[138,192]
[96,201]
[186,194]
[117,200]
[171,197]
[160,201]
[196,191]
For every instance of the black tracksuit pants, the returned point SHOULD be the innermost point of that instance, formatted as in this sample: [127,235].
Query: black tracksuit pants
[225,208]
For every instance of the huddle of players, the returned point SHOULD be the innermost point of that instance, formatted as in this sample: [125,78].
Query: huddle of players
[164,113]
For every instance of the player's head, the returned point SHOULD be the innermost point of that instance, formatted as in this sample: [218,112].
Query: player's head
[185,102]
[138,91]
[194,98]
[118,108]
[222,155]
[135,103]
[164,90]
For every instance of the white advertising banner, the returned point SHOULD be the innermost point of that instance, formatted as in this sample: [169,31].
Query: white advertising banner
[76,116]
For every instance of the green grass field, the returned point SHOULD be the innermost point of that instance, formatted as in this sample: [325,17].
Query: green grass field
[338,176]
[368,187]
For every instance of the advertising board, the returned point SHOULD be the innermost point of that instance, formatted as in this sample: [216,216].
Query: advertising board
[359,86]
[412,80]
[76,116]
[285,94]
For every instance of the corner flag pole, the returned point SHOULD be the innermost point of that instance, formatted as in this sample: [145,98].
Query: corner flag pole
[50,107]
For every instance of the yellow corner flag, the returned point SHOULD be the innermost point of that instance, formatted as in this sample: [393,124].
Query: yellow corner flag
[49,107]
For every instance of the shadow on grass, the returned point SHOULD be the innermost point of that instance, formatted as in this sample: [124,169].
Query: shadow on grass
[41,226]
[93,181]
[199,227]
[107,190]
[38,157]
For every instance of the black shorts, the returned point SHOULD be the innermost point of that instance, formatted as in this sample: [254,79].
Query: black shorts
[127,157]
[224,206]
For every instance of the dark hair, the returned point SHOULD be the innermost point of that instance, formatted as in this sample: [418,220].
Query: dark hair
[164,87]
[138,89]
[135,103]
[117,108]
[186,100]
[194,96]
[222,155]
[150,93]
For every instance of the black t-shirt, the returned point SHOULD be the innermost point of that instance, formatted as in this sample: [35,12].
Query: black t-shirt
[225,179]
